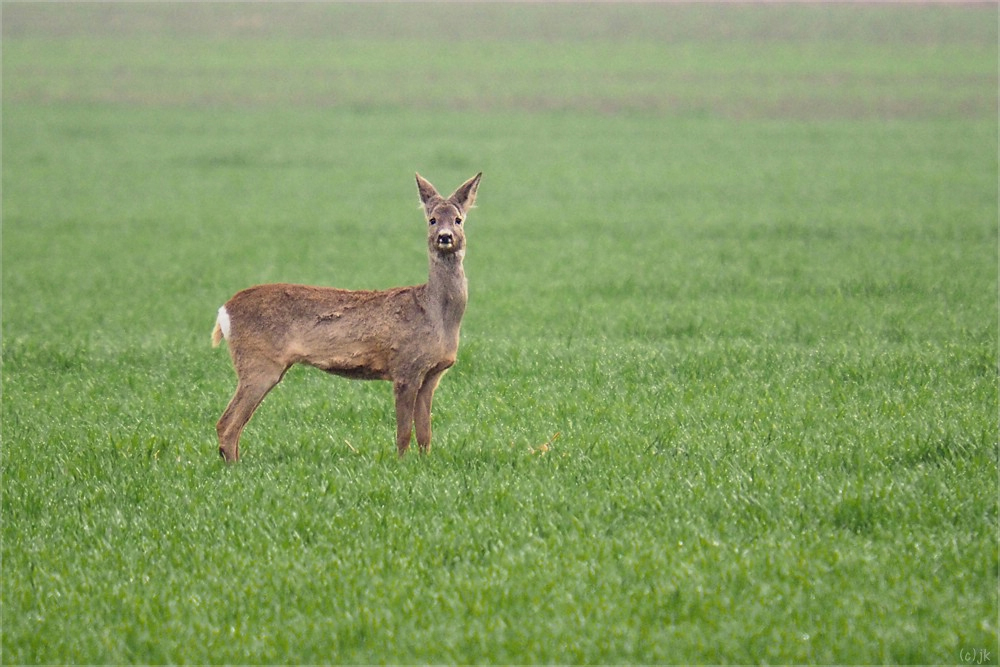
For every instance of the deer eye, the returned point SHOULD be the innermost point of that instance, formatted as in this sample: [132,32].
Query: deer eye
[433,221]
[458,221]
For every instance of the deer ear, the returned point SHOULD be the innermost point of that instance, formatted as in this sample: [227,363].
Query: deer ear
[429,196]
[465,196]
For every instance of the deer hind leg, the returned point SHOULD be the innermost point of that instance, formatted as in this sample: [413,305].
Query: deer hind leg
[422,412]
[251,388]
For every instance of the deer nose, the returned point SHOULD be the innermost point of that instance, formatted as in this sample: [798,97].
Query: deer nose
[445,238]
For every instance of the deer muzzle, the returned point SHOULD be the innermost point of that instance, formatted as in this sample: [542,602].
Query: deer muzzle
[445,240]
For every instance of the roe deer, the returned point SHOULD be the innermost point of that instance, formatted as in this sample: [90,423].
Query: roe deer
[408,335]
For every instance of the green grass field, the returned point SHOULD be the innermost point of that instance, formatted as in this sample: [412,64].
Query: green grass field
[727,390]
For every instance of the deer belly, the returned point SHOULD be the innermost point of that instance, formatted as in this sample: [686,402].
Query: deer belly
[355,367]
[359,373]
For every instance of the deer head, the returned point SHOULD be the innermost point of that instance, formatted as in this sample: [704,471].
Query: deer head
[445,235]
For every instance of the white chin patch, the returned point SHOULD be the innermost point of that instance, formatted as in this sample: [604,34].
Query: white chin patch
[223,321]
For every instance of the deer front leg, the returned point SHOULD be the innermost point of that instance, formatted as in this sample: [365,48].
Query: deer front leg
[406,398]
[422,413]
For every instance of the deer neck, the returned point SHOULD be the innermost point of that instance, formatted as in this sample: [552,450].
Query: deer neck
[447,289]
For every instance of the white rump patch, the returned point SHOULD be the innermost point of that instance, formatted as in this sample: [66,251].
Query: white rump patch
[223,321]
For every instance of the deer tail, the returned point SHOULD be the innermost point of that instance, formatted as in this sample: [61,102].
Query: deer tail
[221,329]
